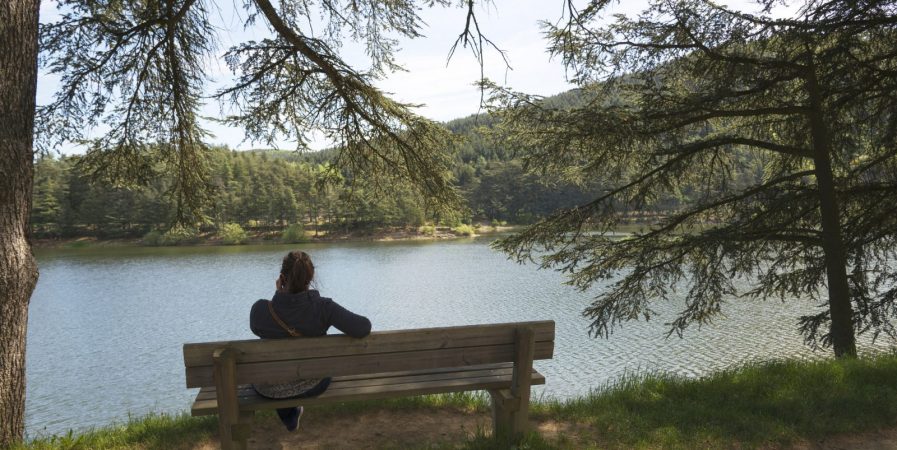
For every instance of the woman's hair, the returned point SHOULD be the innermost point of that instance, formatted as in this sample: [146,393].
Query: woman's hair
[297,270]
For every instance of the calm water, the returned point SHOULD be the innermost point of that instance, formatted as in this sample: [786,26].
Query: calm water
[106,325]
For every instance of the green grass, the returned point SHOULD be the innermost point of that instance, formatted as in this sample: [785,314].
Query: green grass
[154,431]
[752,406]
[164,431]
[761,405]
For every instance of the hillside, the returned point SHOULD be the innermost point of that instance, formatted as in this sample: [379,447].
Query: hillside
[272,188]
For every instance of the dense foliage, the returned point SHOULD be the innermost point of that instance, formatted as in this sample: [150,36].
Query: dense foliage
[679,99]
[138,68]
[249,189]
[268,190]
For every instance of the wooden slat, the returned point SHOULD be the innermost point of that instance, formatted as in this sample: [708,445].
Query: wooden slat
[209,392]
[391,378]
[258,350]
[280,371]
[246,391]
[410,377]
[421,372]
[430,377]
[249,400]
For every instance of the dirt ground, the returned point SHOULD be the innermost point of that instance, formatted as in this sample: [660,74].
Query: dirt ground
[377,429]
[447,427]
[873,440]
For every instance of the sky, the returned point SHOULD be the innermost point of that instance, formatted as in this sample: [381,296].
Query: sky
[445,91]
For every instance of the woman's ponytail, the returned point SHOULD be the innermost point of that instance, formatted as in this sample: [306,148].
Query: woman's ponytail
[298,271]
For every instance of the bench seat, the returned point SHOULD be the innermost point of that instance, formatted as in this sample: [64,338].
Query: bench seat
[377,386]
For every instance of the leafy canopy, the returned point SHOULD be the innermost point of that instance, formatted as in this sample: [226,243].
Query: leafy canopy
[681,100]
[138,67]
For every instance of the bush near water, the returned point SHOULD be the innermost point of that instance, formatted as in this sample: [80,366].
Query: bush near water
[294,234]
[464,230]
[232,234]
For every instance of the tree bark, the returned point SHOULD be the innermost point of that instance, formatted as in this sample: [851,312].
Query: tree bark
[842,333]
[18,270]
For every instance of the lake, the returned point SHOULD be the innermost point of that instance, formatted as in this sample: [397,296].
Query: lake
[106,325]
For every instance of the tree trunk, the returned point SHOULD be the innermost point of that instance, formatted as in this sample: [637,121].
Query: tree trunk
[842,332]
[316,218]
[18,270]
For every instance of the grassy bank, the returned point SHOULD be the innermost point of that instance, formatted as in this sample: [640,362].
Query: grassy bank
[772,403]
[181,431]
[765,405]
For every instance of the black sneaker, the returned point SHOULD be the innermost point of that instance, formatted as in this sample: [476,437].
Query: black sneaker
[292,421]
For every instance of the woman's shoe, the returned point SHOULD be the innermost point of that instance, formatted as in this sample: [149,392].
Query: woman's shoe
[294,423]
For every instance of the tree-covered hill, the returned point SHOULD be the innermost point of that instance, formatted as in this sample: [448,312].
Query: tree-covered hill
[270,189]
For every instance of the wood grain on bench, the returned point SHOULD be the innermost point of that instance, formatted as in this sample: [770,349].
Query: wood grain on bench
[376,386]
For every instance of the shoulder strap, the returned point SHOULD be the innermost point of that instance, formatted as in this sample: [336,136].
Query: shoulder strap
[291,331]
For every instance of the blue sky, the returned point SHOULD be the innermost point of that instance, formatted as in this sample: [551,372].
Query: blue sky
[445,91]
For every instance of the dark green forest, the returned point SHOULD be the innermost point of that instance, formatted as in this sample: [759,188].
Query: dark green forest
[268,190]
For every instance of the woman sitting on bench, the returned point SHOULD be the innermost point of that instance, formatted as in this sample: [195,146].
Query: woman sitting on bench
[298,311]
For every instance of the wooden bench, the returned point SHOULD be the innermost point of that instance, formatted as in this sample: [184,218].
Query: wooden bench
[497,358]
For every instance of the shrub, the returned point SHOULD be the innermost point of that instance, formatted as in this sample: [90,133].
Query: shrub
[464,230]
[428,229]
[414,217]
[294,234]
[232,234]
[153,238]
[179,235]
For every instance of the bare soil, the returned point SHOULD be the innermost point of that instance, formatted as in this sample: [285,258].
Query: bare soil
[374,429]
[871,440]
[452,428]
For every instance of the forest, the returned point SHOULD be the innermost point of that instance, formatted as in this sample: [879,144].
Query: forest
[267,190]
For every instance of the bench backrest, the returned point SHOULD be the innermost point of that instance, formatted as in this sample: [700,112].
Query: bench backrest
[277,360]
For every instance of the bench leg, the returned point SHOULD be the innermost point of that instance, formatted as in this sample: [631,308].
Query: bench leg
[510,415]
[233,424]
[241,430]
[235,435]
[520,418]
[502,412]
[224,433]
[521,382]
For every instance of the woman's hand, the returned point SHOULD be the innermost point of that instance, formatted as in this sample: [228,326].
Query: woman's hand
[279,284]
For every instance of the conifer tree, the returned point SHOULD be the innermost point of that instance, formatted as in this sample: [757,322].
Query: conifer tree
[683,97]
[138,68]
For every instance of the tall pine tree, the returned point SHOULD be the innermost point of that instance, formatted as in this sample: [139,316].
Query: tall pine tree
[683,96]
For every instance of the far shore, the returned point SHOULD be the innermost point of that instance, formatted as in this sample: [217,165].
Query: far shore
[272,238]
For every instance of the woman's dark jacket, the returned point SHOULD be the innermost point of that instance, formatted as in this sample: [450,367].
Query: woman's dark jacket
[308,313]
